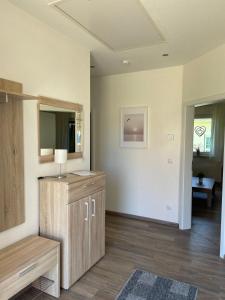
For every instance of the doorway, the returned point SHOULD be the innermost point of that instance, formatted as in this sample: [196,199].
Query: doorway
[207,168]
[196,211]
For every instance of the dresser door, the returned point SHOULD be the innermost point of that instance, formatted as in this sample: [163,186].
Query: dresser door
[79,220]
[97,226]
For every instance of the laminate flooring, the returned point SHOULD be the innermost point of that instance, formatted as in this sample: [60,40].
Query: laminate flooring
[191,256]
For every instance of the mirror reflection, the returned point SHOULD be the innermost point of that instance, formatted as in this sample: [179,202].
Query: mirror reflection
[59,129]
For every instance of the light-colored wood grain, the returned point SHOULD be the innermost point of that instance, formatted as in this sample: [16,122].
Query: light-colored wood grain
[54,219]
[59,104]
[78,239]
[25,261]
[84,188]
[11,153]
[13,90]
[17,96]
[11,86]
[97,226]
[62,217]
[54,275]
[50,158]
[72,178]
[12,164]
[28,275]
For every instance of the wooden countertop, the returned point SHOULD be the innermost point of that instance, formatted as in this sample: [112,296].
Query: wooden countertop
[71,178]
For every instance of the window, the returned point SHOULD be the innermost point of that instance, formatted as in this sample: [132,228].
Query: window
[202,135]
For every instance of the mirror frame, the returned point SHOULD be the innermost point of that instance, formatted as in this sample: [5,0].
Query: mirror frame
[59,104]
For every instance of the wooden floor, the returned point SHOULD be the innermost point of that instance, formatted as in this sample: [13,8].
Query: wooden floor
[189,256]
[207,221]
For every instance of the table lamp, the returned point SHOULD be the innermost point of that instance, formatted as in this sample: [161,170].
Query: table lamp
[60,158]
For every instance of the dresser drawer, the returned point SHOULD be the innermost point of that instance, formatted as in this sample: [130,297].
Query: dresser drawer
[28,274]
[85,188]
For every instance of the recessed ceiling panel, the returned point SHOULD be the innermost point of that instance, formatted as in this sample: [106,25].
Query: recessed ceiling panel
[119,24]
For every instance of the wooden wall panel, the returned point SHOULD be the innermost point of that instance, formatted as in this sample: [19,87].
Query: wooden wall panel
[11,164]
[11,86]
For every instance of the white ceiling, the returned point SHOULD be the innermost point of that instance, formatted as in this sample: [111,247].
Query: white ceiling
[146,29]
[117,33]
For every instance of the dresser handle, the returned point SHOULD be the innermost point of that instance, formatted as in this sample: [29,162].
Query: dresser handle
[27,270]
[87,213]
[93,207]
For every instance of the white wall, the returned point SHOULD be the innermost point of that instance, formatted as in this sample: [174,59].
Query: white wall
[140,181]
[46,63]
[204,77]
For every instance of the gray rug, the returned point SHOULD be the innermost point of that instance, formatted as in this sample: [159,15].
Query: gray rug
[147,286]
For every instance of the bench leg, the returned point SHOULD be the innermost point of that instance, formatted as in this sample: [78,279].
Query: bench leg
[54,275]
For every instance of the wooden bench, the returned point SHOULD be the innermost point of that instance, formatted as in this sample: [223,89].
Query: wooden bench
[26,261]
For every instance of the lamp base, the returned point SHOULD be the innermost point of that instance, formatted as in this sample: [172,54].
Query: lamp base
[61,176]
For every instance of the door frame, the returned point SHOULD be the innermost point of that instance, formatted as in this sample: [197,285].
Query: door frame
[185,210]
[185,207]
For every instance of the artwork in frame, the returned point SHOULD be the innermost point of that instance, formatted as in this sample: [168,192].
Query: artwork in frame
[134,127]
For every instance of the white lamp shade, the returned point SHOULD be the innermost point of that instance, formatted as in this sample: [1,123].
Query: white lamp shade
[60,156]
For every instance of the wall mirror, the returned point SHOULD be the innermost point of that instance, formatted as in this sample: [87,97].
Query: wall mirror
[60,127]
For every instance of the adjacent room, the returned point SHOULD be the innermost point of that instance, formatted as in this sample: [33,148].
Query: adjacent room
[112,118]
[208,151]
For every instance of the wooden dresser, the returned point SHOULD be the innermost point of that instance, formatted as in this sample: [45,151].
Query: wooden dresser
[72,211]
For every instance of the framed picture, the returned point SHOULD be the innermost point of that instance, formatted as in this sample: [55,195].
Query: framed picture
[134,127]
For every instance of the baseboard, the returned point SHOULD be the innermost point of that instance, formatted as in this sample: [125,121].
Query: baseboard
[139,218]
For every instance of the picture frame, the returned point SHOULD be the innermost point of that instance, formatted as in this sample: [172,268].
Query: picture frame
[134,127]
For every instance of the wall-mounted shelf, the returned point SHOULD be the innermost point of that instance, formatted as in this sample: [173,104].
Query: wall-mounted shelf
[12,89]
[19,96]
